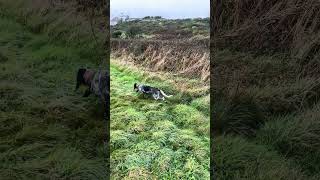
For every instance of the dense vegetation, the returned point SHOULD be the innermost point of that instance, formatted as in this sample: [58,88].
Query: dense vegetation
[159,28]
[48,131]
[179,46]
[155,139]
[265,81]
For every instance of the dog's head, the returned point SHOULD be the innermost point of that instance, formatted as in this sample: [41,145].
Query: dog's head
[80,77]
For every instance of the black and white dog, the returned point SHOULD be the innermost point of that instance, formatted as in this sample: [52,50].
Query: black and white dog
[155,92]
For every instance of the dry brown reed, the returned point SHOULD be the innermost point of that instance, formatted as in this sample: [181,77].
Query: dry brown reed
[189,58]
[291,26]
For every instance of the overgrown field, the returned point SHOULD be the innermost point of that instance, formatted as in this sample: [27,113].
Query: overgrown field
[160,28]
[48,131]
[179,46]
[155,139]
[266,118]
[265,81]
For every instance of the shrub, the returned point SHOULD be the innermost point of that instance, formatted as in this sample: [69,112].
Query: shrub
[116,34]
[133,31]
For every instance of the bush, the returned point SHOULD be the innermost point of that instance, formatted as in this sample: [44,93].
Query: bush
[116,34]
[134,30]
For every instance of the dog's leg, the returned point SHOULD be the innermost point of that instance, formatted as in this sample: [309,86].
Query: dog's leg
[87,93]
[155,96]
[158,95]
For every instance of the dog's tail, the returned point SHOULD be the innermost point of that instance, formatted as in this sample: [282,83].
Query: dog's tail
[165,94]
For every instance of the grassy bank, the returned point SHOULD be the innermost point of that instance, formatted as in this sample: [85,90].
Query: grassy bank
[47,130]
[266,105]
[154,139]
[266,80]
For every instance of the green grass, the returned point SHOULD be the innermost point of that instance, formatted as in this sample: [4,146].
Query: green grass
[155,139]
[266,117]
[238,158]
[47,130]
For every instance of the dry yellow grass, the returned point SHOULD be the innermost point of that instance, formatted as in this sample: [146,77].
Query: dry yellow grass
[189,58]
[287,25]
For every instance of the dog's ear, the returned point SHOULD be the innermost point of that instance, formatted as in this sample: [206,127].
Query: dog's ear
[135,86]
[80,79]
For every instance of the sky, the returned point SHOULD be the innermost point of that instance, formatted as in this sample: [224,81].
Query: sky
[171,9]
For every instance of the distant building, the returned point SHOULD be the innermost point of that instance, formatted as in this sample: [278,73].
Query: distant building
[115,21]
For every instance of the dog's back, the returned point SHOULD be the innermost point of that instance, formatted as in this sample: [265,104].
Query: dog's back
[100,84]
[155,92]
